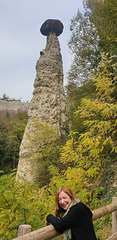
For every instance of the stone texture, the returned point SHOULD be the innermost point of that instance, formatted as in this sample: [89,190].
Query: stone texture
[51,25]
[49,102]
[48,105]
[13,106]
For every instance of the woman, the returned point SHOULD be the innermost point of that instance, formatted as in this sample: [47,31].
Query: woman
[72,217]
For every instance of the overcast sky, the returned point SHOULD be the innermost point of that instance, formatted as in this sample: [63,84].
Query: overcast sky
[21,41]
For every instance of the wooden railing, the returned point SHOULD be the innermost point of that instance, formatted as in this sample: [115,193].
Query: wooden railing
[49,232]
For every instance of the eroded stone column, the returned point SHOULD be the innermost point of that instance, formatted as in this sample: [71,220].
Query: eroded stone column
[48,105]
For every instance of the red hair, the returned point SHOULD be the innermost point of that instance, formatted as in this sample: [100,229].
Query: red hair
[58,209]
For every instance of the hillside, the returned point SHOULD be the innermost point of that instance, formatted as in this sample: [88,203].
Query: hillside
[13,105]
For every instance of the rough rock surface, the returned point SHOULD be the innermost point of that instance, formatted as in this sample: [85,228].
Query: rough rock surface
[47,105]
[49,102]
[13,106]
[51,25]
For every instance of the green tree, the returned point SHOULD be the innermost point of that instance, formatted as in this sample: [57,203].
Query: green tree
[84,48]
[23,203]
[86,55]
[5,97]
[44,146]
[74,96]
[11,131]
[92,32]
[103,14]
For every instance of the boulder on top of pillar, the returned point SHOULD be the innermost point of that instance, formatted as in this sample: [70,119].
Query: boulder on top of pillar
[51,25]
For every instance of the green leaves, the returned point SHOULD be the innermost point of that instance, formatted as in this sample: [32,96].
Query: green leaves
[11,131]
[44,149]
[20,203]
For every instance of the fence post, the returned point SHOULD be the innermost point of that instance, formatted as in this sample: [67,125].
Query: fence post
[114,217]
[23,229]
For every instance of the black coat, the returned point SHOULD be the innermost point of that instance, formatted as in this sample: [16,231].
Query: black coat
[79,219]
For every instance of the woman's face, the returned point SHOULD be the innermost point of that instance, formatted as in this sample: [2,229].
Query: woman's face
[64,200]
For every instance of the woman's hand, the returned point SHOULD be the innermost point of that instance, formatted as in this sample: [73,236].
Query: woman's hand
[47,223]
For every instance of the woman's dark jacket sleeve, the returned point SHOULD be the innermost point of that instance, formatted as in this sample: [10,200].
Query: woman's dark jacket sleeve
[79,219]
[70,220]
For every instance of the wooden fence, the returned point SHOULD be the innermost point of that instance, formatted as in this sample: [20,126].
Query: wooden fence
[49,232]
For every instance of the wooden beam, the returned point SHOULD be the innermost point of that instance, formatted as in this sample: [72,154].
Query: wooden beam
[47,233]
[113,237]
[101,212]
[24,229]
[114,217]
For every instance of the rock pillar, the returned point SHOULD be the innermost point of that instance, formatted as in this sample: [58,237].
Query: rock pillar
[48,106]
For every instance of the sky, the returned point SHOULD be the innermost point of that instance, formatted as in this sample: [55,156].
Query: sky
[21,41]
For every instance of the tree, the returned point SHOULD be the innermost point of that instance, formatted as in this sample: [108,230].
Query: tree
[96,148]
[23,203]
[103,14]
[90,37]
[92,32]
[74,96]
[86,55]
[84,47]
[5,97]
[11,131]
[44,146]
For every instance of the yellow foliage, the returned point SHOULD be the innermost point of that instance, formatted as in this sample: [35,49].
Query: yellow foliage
[87,158]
